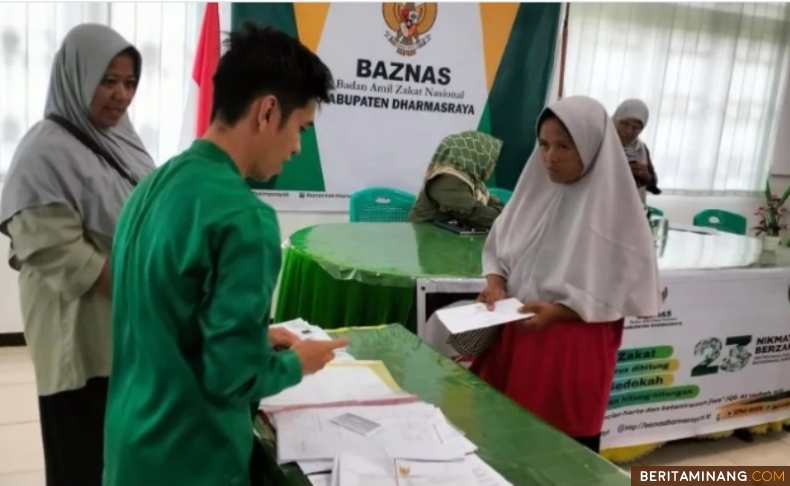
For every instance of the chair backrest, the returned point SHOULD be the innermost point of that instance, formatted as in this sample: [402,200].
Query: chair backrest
[655,211]
[721,220]
[503,195]
[380,205]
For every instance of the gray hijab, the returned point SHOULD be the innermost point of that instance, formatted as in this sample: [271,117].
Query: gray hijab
[50,166]
[634,110]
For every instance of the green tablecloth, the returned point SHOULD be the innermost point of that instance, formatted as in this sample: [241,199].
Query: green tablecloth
[525,450]
[362,274]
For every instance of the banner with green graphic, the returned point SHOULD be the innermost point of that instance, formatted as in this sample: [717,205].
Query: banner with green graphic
[716,359]
[407,75]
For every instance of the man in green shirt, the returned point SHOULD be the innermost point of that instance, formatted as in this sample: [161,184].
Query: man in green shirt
[194,265]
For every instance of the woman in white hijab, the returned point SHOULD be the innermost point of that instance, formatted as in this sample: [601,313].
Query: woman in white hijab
[574,245]
[630,119]
[69,177]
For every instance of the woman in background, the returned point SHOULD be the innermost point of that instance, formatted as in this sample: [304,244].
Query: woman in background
[454,187]
[630,119]
[574,246]
[69,177]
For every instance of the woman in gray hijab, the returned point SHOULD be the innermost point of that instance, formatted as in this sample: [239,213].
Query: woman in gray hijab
[630,118]
[69,177]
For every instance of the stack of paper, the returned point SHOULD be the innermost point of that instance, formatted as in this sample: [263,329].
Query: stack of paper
[408,431]
[323,479]
[305,330]
[367,470]
[350,424]
[340,383]
[357,470]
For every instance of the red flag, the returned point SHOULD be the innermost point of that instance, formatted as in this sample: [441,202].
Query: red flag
[206,60]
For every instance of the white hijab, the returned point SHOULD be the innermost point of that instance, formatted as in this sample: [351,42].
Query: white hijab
[585,245]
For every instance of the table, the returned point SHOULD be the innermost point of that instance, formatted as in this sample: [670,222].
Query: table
[525,450]
[362,274]
[721,341]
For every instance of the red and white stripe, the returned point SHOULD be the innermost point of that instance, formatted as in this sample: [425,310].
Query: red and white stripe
[197,112]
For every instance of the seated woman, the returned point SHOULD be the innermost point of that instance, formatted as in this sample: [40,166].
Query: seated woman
[630,119]
[574,246]
[454,187]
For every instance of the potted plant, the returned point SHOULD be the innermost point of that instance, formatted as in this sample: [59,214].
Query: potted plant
[772,218]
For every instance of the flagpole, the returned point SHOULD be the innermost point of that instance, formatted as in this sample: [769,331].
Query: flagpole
[563,51]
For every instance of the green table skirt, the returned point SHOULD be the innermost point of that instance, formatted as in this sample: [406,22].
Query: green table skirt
[522,448]
[310,292]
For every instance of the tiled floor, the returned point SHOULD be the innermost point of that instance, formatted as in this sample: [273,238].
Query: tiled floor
[22,462]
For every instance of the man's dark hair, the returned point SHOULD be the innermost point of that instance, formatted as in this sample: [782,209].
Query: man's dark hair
[261,60]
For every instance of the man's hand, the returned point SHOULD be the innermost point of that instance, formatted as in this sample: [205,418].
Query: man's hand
[279,337]
[314,355]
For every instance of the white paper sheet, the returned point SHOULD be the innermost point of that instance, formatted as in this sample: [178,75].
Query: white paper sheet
[448,433]
[485,474]
[321,479]
[408,432]
[314,467]
[363,470]
[333,384]
[477,316]
[305,330]
[367,470]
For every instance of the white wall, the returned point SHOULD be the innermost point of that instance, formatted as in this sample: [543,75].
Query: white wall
[676,208]
[10,318]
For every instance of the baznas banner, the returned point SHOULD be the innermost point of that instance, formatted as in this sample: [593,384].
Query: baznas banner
[407,75]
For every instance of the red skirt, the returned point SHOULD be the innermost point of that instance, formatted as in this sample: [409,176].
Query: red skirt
[563,373]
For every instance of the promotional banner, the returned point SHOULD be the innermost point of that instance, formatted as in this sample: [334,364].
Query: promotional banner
[716,359]
[407,75]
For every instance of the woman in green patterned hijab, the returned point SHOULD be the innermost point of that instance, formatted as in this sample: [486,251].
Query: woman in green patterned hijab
[454,188]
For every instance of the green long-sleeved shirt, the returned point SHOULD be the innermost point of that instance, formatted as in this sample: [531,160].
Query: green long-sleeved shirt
[195,263]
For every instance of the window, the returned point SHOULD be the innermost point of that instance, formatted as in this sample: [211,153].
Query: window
[165,34]
[712,75]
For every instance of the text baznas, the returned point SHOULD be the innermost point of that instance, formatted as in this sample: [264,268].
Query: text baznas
[404,72]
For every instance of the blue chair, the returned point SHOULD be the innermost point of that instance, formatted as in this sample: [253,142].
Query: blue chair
[502,194]
[380,205]
[656,211]
[721,220]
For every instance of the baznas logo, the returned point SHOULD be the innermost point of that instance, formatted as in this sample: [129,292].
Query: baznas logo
[409,23]
[664,295]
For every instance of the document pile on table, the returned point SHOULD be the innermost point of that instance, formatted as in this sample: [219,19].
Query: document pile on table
[351,425]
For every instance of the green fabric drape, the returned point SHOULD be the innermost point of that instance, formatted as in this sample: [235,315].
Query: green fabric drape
[303,171]
[309,292]
[520,88]
[363,274]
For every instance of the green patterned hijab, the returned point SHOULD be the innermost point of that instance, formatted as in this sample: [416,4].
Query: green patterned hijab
[470,156]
